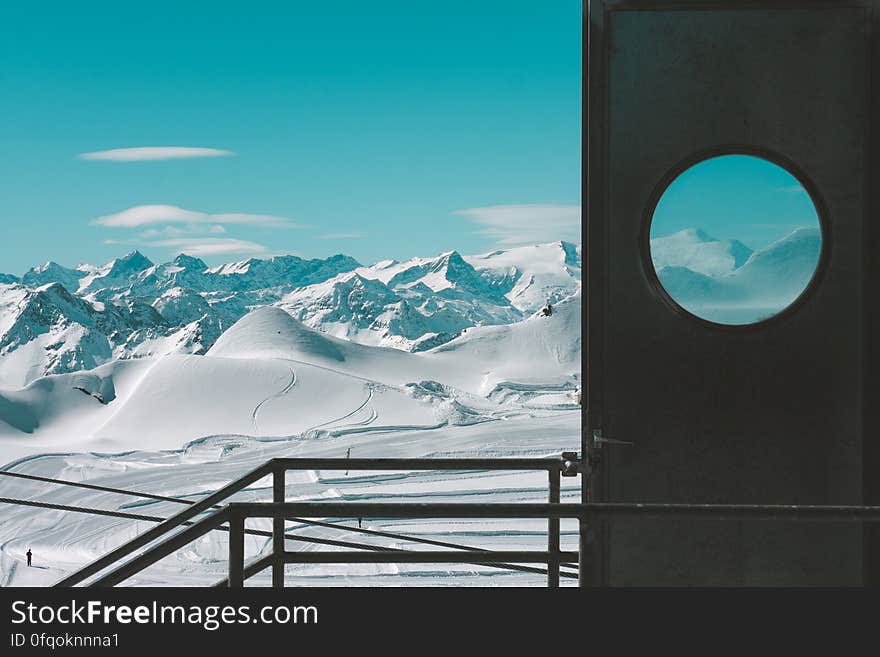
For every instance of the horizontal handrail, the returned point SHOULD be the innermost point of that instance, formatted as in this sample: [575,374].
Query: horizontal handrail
[406,510]
[793,512]
[789,512]
[427,556]
[464,464]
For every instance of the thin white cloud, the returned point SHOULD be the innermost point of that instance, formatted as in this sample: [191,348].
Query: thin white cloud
[148,215]
[526,224]
[208,246]
[186,229]
[152,153]
[340,236]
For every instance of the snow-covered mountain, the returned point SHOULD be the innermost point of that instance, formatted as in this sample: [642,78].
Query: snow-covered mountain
[698,251]
[765,282]
[48,329]
[56,319]
[533,275]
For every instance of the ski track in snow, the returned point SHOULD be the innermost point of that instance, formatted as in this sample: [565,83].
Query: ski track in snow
[277,395]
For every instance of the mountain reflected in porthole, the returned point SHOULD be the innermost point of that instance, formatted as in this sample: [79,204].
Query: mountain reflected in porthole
[735,240]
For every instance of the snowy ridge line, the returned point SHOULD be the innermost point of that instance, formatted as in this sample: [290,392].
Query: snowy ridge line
[255,532]
[60,320]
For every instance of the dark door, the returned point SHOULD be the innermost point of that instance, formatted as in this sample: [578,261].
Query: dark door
[766,413]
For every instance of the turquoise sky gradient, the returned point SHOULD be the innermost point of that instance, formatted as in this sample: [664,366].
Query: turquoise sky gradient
[735,197]
[370,123]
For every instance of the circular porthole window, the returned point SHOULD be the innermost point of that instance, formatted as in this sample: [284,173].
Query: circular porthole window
[735,239]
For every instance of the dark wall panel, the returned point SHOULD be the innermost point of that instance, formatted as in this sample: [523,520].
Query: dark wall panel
[771,414]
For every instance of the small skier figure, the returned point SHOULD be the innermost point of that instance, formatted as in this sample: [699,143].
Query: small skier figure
[28,554]
[360,522]
[547,310]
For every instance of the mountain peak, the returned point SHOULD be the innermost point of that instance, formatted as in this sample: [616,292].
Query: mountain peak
[449,257]
[189,262]
[130,263]
[46,266]
[136,258]
[693,235]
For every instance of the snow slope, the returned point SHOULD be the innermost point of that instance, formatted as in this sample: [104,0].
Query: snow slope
[270,375]
[186,424]
[538,347]
[768,281]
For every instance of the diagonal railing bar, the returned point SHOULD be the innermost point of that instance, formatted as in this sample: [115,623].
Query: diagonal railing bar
[408,537]
[163,549]
[249,571]
[79,509]
[114,556]
[136,516]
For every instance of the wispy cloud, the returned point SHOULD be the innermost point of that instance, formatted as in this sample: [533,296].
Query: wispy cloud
[526,224]
[208,246]
[340,236]
[188,231]
[147,215]
[152,153]
[177,231]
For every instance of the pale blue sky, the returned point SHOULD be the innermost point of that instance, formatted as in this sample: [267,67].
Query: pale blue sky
[735,197]
[363,128]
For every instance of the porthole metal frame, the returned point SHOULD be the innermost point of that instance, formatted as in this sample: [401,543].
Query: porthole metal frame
[750,151]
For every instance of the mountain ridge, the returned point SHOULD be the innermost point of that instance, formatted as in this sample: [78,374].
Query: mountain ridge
[132,307]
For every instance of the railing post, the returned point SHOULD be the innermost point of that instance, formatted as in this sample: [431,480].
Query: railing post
[553,532]
[236,550]
[279,477]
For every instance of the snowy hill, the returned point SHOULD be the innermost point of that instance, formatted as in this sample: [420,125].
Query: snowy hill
[537,348]
[270,374]
[767,281]
[789,263]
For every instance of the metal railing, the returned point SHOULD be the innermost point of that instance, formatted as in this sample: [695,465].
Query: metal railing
[279,511]
[235,515]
